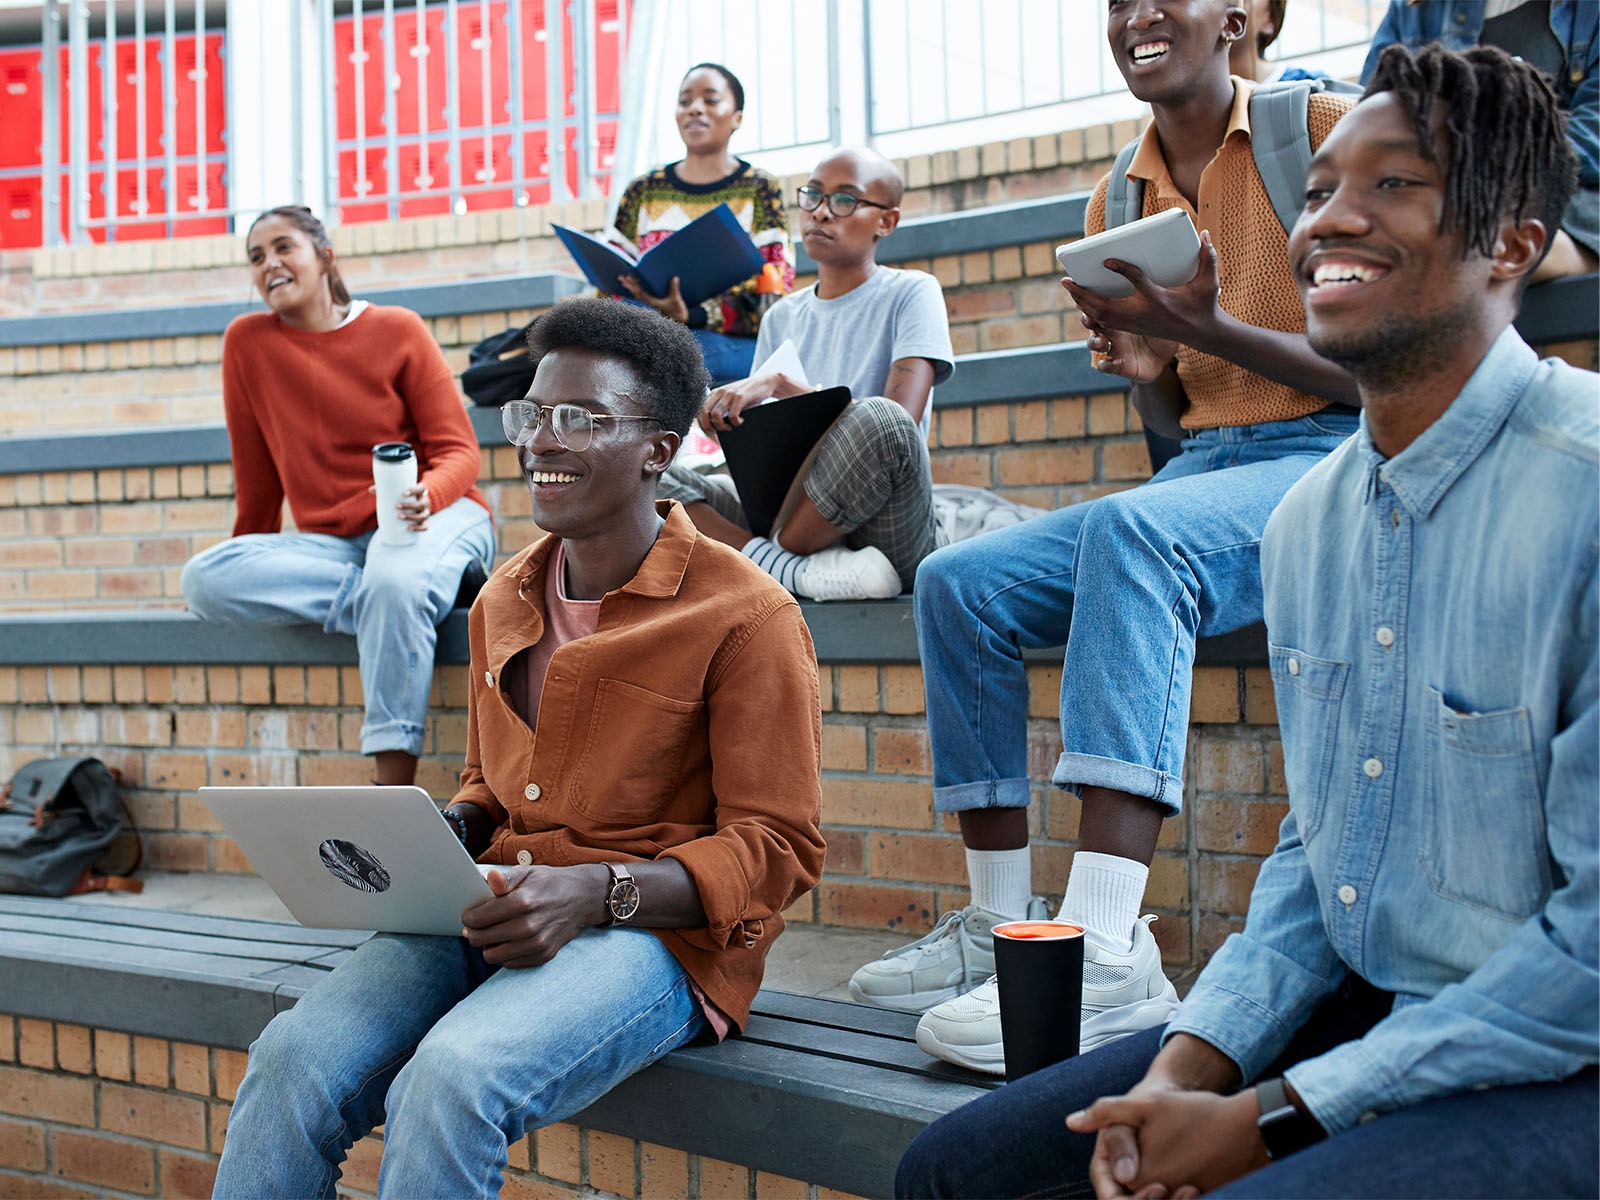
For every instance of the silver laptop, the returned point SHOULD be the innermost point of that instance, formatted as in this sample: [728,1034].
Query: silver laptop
[354,857]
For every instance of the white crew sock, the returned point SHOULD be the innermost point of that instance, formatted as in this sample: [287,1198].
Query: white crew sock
[1000,881]
[1103,895]
[775,560]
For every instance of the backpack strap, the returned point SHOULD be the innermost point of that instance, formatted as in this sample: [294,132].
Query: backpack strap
[1124,196]
[93,881]
[1280,139]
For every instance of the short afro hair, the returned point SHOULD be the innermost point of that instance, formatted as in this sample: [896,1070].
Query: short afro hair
[663,354]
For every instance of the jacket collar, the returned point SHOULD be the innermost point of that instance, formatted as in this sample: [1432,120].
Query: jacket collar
[1425,470]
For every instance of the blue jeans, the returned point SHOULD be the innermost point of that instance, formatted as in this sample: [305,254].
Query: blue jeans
[454,1057]
[1533,1140]
[1128,582]
[390,597]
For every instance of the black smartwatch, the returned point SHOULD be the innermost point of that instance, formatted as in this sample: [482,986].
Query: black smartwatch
[1283,1127]
[457,823]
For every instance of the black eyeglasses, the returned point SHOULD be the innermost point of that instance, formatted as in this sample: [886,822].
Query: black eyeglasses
[840,204]
[572,424]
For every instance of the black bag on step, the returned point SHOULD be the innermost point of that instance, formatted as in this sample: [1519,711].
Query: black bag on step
[58,818]
[499,369]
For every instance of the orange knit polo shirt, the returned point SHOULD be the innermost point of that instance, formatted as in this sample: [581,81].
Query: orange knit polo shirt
[305,409]
[1252,261]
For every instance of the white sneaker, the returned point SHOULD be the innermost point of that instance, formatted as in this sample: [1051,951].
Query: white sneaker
[952,958]
[1122,994]
[841,574]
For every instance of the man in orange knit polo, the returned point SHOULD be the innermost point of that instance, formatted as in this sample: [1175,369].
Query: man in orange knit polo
[1128,581]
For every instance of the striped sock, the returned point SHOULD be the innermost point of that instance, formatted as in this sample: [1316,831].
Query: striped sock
[774,560]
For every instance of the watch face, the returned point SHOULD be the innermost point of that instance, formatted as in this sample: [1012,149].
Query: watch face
[624,901]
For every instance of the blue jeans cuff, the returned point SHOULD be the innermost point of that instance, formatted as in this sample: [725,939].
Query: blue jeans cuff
[392,735]
[1074,771]
[986,793]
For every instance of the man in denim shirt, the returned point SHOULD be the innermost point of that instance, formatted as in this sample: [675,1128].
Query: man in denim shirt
[1558,37]
[1414,996]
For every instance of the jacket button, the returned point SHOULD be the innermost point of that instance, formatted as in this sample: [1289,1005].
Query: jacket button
[1347,895]
[532,791]
[1372,768]
[1294,666]
[488,679]
[524,858]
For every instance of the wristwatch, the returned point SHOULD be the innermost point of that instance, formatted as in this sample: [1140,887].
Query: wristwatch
[622,898]
[1283,1127]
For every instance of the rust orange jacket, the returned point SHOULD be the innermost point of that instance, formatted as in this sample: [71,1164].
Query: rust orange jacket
[305,409]
[687,727]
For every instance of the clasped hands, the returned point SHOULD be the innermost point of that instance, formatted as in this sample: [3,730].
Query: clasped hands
[1136,336]
[1165,1142]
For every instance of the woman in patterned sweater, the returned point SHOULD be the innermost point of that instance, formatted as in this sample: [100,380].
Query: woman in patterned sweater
[657,205]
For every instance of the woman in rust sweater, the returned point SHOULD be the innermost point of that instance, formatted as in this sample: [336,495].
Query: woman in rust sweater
[310,387]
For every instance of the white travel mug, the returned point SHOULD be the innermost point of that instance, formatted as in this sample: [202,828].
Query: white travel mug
[394,469]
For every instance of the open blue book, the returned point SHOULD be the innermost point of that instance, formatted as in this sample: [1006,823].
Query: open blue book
[709,255]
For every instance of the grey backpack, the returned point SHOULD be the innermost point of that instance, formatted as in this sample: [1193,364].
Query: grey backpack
[1280,142]
[58,819]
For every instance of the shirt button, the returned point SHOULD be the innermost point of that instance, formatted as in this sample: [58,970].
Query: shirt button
[1294,666]
[532,791]
[1347,895]
[488,679]
[524,858]
[1385,636]
[1373,768]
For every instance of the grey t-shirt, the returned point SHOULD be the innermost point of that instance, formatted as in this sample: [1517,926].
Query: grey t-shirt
[852,340]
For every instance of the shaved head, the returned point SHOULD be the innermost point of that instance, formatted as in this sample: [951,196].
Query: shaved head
[871,170]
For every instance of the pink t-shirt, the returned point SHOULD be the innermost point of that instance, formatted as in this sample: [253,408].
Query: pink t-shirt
[566,621]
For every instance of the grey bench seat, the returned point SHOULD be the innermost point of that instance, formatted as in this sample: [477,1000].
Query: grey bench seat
[874,631]
[818,1090]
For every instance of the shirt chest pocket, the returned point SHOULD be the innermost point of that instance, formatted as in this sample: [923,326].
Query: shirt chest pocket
[1482,838]
[1309,691]
[634,753]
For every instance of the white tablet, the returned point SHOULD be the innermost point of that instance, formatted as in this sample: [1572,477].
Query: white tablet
[379,858]
[1165,247]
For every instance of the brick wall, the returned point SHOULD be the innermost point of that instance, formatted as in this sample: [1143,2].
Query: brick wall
[95,539]
[99,1112]
[892,862]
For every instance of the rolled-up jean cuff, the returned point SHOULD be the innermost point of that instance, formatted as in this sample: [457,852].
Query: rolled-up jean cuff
[986,793]
[393,735]
[1075,771]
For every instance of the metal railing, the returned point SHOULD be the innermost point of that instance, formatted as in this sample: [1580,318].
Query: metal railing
[396,108]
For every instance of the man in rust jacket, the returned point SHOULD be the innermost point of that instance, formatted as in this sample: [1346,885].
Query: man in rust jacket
[643,755]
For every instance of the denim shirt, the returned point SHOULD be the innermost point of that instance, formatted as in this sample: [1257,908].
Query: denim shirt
[1458,24]
[1432,625]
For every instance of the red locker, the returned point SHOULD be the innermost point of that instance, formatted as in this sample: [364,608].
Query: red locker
[353,187]
[415,61]
[536,165]
[533,60]
[130,205]
[475,170]
[607,56]
[97,203]
[22,97]
[95,98]
[198,190]
[213,90]
[21,212]
[129,55]
[474,42]
[419,172]
[365,65]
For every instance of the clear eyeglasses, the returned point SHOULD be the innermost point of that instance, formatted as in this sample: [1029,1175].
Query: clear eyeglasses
[572,424]
[840,204]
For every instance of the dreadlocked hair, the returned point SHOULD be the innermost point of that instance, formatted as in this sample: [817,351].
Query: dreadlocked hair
[1506,138]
